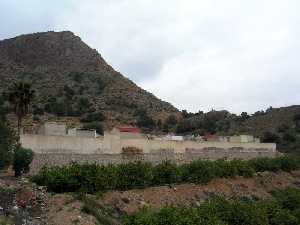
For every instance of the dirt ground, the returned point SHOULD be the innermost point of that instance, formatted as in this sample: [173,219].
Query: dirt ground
[64,209]
[186,194]
[21,202]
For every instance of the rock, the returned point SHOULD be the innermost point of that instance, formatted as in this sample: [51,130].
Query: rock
[297,183]
[126,200]
[143,203]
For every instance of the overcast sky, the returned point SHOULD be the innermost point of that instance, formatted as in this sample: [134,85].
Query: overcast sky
[238,55]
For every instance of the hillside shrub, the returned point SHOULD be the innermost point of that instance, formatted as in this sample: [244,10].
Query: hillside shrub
[22,160]
[92,178]
[91,117]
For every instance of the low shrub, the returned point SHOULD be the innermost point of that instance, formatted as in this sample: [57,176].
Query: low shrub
[166,173]
[22,160]
[286,163]
[134,175]
[199,171]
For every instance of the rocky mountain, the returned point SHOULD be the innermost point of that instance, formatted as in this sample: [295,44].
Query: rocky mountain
[72,79]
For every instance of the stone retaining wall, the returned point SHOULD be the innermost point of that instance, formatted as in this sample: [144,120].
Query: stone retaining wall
[156,156]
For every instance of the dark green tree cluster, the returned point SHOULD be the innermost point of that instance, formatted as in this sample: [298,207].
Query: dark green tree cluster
[201,123]
[286,136]
[144,121]
[66,105]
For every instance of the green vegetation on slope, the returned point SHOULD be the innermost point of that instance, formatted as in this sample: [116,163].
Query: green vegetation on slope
[282,209]
[92,178]
[279,125]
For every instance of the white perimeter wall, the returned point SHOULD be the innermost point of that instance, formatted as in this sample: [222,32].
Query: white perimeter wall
[62,144]
[112,144]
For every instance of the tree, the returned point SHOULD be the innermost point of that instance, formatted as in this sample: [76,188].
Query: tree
[94,126]
[21,96]
[244,116]
[144,120]
[270,137]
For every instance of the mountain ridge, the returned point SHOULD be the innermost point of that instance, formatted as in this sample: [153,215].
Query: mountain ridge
[62,68]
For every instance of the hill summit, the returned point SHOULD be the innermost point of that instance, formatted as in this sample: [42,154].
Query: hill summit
[72,79]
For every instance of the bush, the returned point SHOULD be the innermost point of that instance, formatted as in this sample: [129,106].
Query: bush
[284,217]
[22,160]
[199,171]
[265,164]
[288,199]
[134,175]
[243,168]
[224,168]
[285,163]
[166,173]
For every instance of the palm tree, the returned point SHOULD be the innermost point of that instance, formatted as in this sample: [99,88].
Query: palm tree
[20,96]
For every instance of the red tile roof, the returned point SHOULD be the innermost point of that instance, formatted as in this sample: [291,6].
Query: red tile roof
[129,129]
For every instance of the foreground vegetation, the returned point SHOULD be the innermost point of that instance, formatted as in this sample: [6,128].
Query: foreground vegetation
[282,209]
[93,178]
[11,152]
